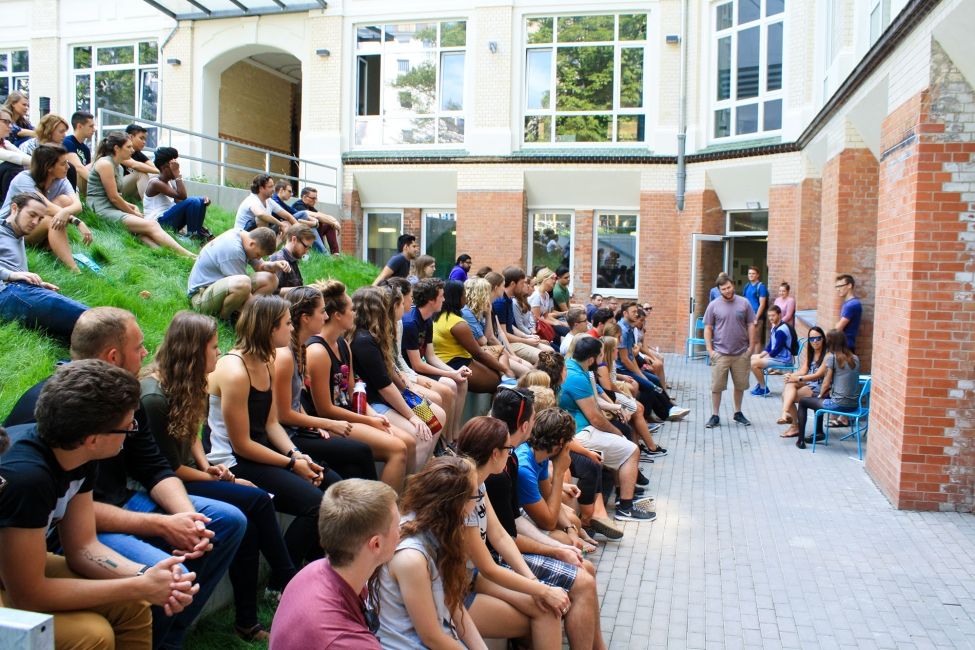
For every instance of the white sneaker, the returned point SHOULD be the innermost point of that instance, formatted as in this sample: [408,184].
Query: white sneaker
[677,413]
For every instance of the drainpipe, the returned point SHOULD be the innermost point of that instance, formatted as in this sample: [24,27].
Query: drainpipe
[682,110]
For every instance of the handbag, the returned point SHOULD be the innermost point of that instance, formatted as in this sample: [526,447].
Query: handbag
[421,408]
[545,330]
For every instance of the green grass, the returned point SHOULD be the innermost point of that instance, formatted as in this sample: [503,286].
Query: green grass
[128,269]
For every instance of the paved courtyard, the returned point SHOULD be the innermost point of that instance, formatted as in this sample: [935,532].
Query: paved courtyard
[758,544]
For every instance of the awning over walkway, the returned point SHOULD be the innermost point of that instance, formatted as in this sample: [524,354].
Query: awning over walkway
[206,9]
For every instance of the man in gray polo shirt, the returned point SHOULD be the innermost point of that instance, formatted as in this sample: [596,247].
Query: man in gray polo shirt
[219,284]
[729,333]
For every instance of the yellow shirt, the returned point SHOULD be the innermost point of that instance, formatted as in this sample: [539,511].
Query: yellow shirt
[444,343]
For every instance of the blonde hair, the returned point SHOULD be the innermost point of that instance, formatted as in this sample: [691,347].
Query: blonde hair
[610,343]
[478,292]
[544,398]
[543,274]
[535,378]
[47,126]
[612,329]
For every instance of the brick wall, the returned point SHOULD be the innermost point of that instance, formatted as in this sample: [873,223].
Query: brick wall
[659,241]
[413,223]
[922,431]
[783,237]
[848,239]
[351,242]
[492,225]
[582,256]
[805,289]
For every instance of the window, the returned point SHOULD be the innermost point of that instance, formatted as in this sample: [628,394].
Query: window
[749,222]
[748,67]
[382,230]
[410,83]
[121,78]
[585,79]
[879,18]
[615,256]
[440,238]
[14,71]
[551,244]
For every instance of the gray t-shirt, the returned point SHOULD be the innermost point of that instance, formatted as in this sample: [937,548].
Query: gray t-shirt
[13,254]
[221,258]
[845,387]
[730,320]
[23,183]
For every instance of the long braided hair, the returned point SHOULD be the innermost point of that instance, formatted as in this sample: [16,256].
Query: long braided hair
[304,301]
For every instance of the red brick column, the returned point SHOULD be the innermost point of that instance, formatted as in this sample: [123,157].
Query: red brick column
[922,421]
[582,246]
[492,227]
[848,240]
[351,241]
[805,289]
[783,237]
[413,223]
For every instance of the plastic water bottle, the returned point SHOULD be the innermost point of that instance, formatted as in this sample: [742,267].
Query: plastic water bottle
[359,402]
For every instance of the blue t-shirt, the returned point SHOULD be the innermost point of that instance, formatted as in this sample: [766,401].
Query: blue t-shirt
[590,311]
[417,333]
[626,344]
[458,273]
[399,265]
[779,346]
[576,386]
[714,294]
[852,310]
[530,472]
[477,328]
[754,292]
[72,145]
[504,309]
[284,205]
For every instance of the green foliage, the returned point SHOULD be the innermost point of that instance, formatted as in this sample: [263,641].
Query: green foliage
[419,88]
[151,283]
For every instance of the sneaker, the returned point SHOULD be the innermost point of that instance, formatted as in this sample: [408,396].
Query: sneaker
[646,504]
[677,413]
[654,427]
[760,391]
[641,479]
[645,456]
[714,421]
[634,514]
[659,452]
[605,527]
[741,419]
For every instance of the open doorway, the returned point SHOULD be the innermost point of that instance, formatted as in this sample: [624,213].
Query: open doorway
[743,253]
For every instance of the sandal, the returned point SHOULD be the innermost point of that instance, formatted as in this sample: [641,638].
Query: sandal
[789,433]
[255,633]
[785,419]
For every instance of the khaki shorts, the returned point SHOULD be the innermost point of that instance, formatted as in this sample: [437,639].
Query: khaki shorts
[615,449]
[210,299]
[739,366]
[525,351]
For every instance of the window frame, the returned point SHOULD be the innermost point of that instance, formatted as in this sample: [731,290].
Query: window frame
[882,9]
[571,213]
[439,50]
[376,209]
[616,111]
[732,103]
[613,291]
[136,66]
[13,77]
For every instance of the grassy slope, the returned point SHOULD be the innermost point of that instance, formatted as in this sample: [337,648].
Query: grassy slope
[129,268]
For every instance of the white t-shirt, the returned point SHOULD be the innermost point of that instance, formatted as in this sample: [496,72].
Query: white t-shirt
[245,213]
[155,206]
[542,300]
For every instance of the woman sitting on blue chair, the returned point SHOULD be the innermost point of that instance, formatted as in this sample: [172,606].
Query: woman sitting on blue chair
[841,384]
[811,371]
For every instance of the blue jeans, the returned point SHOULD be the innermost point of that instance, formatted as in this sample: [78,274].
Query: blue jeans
[38,307]
[319,245]
[190,213]
[228,525]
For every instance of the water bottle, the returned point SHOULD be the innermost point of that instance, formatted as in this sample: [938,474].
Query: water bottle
[359,402]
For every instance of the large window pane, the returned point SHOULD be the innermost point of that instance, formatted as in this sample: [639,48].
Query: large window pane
[115,90]
[724,68]
[724,16]
[382,230]
[748,51]
[748,10]
[772,121]
[616,251]
[773,7]
[538,128]
[551,240]
[414,91]
[774,57]
[584,128]
[82,92]
[150,94]
[410,36]
[440,239]
[116,55]
[585,29]
[82,58]
[539,30]
[368,84]
[19,61]
[453,34]
[633,27]
[538,78]
[746,119]
[452,81]
[584,78]
[631,77]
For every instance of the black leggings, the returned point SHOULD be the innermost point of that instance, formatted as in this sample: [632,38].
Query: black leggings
[262,536]
[293,495]
[349,458]
[590,476]
[815,403]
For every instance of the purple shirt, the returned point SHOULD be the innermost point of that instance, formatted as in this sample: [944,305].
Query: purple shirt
[729,321]
[458,273]
[320,610]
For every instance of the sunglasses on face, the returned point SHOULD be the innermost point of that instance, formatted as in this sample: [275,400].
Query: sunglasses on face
[813,339]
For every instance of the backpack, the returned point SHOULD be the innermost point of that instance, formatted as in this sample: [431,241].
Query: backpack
[793,340]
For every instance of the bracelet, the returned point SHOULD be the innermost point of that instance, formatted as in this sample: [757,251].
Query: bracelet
[292,452]
[142,571]
[291,464]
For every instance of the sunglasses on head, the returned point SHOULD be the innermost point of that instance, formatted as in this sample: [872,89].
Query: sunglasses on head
[522,398]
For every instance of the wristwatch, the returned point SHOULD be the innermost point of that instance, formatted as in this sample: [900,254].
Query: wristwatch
[75,221]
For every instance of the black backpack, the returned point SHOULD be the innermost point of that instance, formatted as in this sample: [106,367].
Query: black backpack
[794,340]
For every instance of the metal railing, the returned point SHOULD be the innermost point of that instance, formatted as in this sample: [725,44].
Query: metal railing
[305,172]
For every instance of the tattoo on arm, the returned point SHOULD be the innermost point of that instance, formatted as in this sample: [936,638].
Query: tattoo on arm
[102,561]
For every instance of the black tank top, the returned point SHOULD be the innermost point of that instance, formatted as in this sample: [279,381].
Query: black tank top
[338,379]
[258,406]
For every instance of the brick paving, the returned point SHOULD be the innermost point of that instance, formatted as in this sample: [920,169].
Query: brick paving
[760,545]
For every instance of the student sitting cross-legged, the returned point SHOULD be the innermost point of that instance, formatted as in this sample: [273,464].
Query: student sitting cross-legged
[174,400]
[97,596]
[324,606]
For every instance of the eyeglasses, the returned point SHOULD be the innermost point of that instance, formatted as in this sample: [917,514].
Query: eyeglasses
[840,286]
[813,339]
[5,121]
[478,496]
[131,431]
[522,398]
[509,448]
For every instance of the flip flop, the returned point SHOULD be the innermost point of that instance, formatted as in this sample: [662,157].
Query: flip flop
[785,419]
[789,434]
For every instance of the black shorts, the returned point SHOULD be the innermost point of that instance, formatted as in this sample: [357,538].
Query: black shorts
[460,362]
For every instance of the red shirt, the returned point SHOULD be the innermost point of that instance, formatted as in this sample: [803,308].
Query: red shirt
[320,610]
[593,333]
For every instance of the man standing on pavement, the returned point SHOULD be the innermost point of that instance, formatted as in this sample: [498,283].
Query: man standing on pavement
[757,295]
[850,312]
[729,333]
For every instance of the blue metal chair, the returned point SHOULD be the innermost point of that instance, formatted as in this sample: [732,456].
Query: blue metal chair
[788,367]
[855,417]
[693,341]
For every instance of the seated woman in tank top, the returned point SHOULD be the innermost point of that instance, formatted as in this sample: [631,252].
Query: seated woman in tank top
[326,440]
[250,441]
[328,391]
